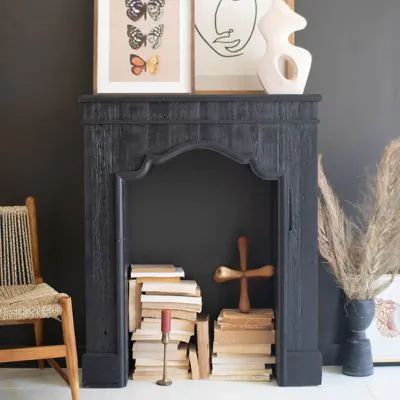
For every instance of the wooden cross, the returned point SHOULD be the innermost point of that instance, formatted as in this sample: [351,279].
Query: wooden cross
[225,274]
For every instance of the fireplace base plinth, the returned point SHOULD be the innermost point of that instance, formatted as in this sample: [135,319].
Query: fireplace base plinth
[302,369]
[102,370]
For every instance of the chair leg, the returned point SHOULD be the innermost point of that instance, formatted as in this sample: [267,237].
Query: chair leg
[38,331]
[70,343]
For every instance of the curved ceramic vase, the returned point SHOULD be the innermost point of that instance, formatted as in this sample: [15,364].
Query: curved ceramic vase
[277,25]
[357,355]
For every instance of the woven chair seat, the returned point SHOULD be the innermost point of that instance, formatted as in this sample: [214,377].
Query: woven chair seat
[21,302]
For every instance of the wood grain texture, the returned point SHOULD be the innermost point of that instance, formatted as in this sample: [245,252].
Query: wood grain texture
[32,217]
[32,353]
[38,332]
[71,357]
[276,136]
[54,364]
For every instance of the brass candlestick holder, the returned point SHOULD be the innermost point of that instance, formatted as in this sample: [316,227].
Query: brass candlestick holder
[165,328]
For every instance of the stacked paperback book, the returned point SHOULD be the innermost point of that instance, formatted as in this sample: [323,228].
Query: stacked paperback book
[153,288]
[242,345]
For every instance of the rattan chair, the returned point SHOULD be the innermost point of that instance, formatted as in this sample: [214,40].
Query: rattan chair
[25,299]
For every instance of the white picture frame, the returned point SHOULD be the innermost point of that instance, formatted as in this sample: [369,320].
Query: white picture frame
[228,45]
[384,331]
[104,48]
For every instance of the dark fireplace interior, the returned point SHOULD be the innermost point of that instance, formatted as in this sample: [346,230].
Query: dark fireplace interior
[190,212]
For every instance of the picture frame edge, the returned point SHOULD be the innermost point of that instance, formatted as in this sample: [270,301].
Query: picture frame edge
[380,361]
[95,81]
[192,50]
[95,45]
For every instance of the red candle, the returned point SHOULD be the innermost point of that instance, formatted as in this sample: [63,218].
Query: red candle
[165,321]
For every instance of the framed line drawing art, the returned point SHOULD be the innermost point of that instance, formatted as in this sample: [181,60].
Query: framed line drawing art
[228,44]
[384,331]
[143,46]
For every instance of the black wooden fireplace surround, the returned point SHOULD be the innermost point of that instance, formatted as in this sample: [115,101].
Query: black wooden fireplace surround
[276,136]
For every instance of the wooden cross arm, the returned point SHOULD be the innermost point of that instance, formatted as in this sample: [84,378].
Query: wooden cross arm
[225,274]
[266,271]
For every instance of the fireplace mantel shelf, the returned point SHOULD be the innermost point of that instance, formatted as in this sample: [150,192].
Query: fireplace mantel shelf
[275,135]
[257,96]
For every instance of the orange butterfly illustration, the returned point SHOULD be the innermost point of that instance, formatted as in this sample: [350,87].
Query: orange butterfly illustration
[152,65]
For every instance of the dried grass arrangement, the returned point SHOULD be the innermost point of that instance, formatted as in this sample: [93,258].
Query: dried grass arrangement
[364,257]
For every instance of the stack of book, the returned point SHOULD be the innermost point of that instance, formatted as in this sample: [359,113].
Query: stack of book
[153,288]
[242,345]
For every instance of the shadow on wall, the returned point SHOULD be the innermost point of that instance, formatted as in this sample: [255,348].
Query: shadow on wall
[41,151]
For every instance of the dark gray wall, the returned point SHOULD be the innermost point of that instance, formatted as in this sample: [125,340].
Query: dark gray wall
[356,50]
[208,201]
[45,64]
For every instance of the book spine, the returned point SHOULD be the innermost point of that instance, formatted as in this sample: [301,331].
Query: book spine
[194,362]
[148,298]
[203,346]
[134,308]
[244,337]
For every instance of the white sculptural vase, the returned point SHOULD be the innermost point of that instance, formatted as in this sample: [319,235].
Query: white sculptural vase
[277,25]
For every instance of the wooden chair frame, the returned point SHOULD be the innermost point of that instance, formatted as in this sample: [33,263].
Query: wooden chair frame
[47,353]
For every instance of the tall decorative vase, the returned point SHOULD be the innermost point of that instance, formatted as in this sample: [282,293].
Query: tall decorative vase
[357,355]
[277,25]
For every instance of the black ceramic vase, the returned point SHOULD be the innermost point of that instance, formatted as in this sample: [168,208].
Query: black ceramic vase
[357,355]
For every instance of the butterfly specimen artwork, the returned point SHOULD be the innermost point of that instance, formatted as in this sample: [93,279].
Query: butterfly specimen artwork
[138,9]
[152,65]
[137,38]
[143,46]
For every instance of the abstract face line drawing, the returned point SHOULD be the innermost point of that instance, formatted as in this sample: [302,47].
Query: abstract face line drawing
[231,36]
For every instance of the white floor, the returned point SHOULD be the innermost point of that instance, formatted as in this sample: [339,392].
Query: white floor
[33,384]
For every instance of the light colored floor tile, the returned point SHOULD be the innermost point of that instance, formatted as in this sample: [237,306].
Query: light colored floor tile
[384,384]
[35,394]
[11,378]
[33,384]
[237,391]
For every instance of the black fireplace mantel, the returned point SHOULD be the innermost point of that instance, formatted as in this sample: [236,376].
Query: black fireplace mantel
[275,135]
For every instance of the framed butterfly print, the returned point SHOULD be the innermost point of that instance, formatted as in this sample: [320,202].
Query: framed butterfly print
[143,46]
[228,45]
